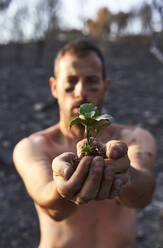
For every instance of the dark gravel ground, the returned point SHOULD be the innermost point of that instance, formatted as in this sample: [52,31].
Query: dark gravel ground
[26,106]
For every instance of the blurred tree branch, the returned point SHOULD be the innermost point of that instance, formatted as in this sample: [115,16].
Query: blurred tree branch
[101,27]
[46,21]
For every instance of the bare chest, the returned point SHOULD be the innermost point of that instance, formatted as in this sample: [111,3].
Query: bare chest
[96,224]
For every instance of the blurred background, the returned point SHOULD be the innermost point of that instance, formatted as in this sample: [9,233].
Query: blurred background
[130,33]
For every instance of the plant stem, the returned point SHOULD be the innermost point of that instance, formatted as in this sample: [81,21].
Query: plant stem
[87,134]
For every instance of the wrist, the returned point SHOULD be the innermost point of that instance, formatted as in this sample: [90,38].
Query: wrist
[137,193]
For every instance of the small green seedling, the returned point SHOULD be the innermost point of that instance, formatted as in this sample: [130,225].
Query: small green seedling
[93,122]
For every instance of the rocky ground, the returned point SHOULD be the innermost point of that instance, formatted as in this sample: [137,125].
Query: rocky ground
[136,98]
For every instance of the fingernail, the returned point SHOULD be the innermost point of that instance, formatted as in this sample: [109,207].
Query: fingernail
[115,154]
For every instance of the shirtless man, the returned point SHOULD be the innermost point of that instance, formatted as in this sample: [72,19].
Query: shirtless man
[92,206]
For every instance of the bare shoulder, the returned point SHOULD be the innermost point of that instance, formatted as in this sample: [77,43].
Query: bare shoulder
[39,141]
[32,159]
[27,151]
[141,146]
[137,136]
[33,149]
[32,144]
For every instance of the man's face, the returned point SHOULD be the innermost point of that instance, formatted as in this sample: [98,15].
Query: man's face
[79,81]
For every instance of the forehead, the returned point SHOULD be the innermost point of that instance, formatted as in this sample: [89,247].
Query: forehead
[88,64]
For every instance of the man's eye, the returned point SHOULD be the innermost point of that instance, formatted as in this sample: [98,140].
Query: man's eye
[69,89]
[72,80]
[92,80]
[93,89]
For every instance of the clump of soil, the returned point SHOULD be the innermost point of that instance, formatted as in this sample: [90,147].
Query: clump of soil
[97,148]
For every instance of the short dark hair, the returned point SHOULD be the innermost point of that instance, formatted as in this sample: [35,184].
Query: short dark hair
[80,48]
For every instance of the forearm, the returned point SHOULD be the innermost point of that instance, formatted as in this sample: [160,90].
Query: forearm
[138,192]
[56,206]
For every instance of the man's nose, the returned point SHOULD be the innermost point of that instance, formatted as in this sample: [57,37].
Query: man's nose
[80,91]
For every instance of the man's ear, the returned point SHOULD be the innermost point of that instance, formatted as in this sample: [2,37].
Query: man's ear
[106,86]
[53,86]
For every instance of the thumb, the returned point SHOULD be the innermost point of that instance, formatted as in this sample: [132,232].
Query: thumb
[116,149]
[67,171]
[63,165]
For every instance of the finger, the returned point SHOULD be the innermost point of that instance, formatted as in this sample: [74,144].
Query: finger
[116,189]
[124,177]
[91,186]
[106,184]
[121,165]
[67,189]
[62,165]
[79,176]
[116,149]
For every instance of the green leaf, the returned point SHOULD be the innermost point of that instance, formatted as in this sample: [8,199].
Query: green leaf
[88,110]
[90,114]
[75,121]
[82,117]
[91,121]
[86,148]
[106,117]
[101,127]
